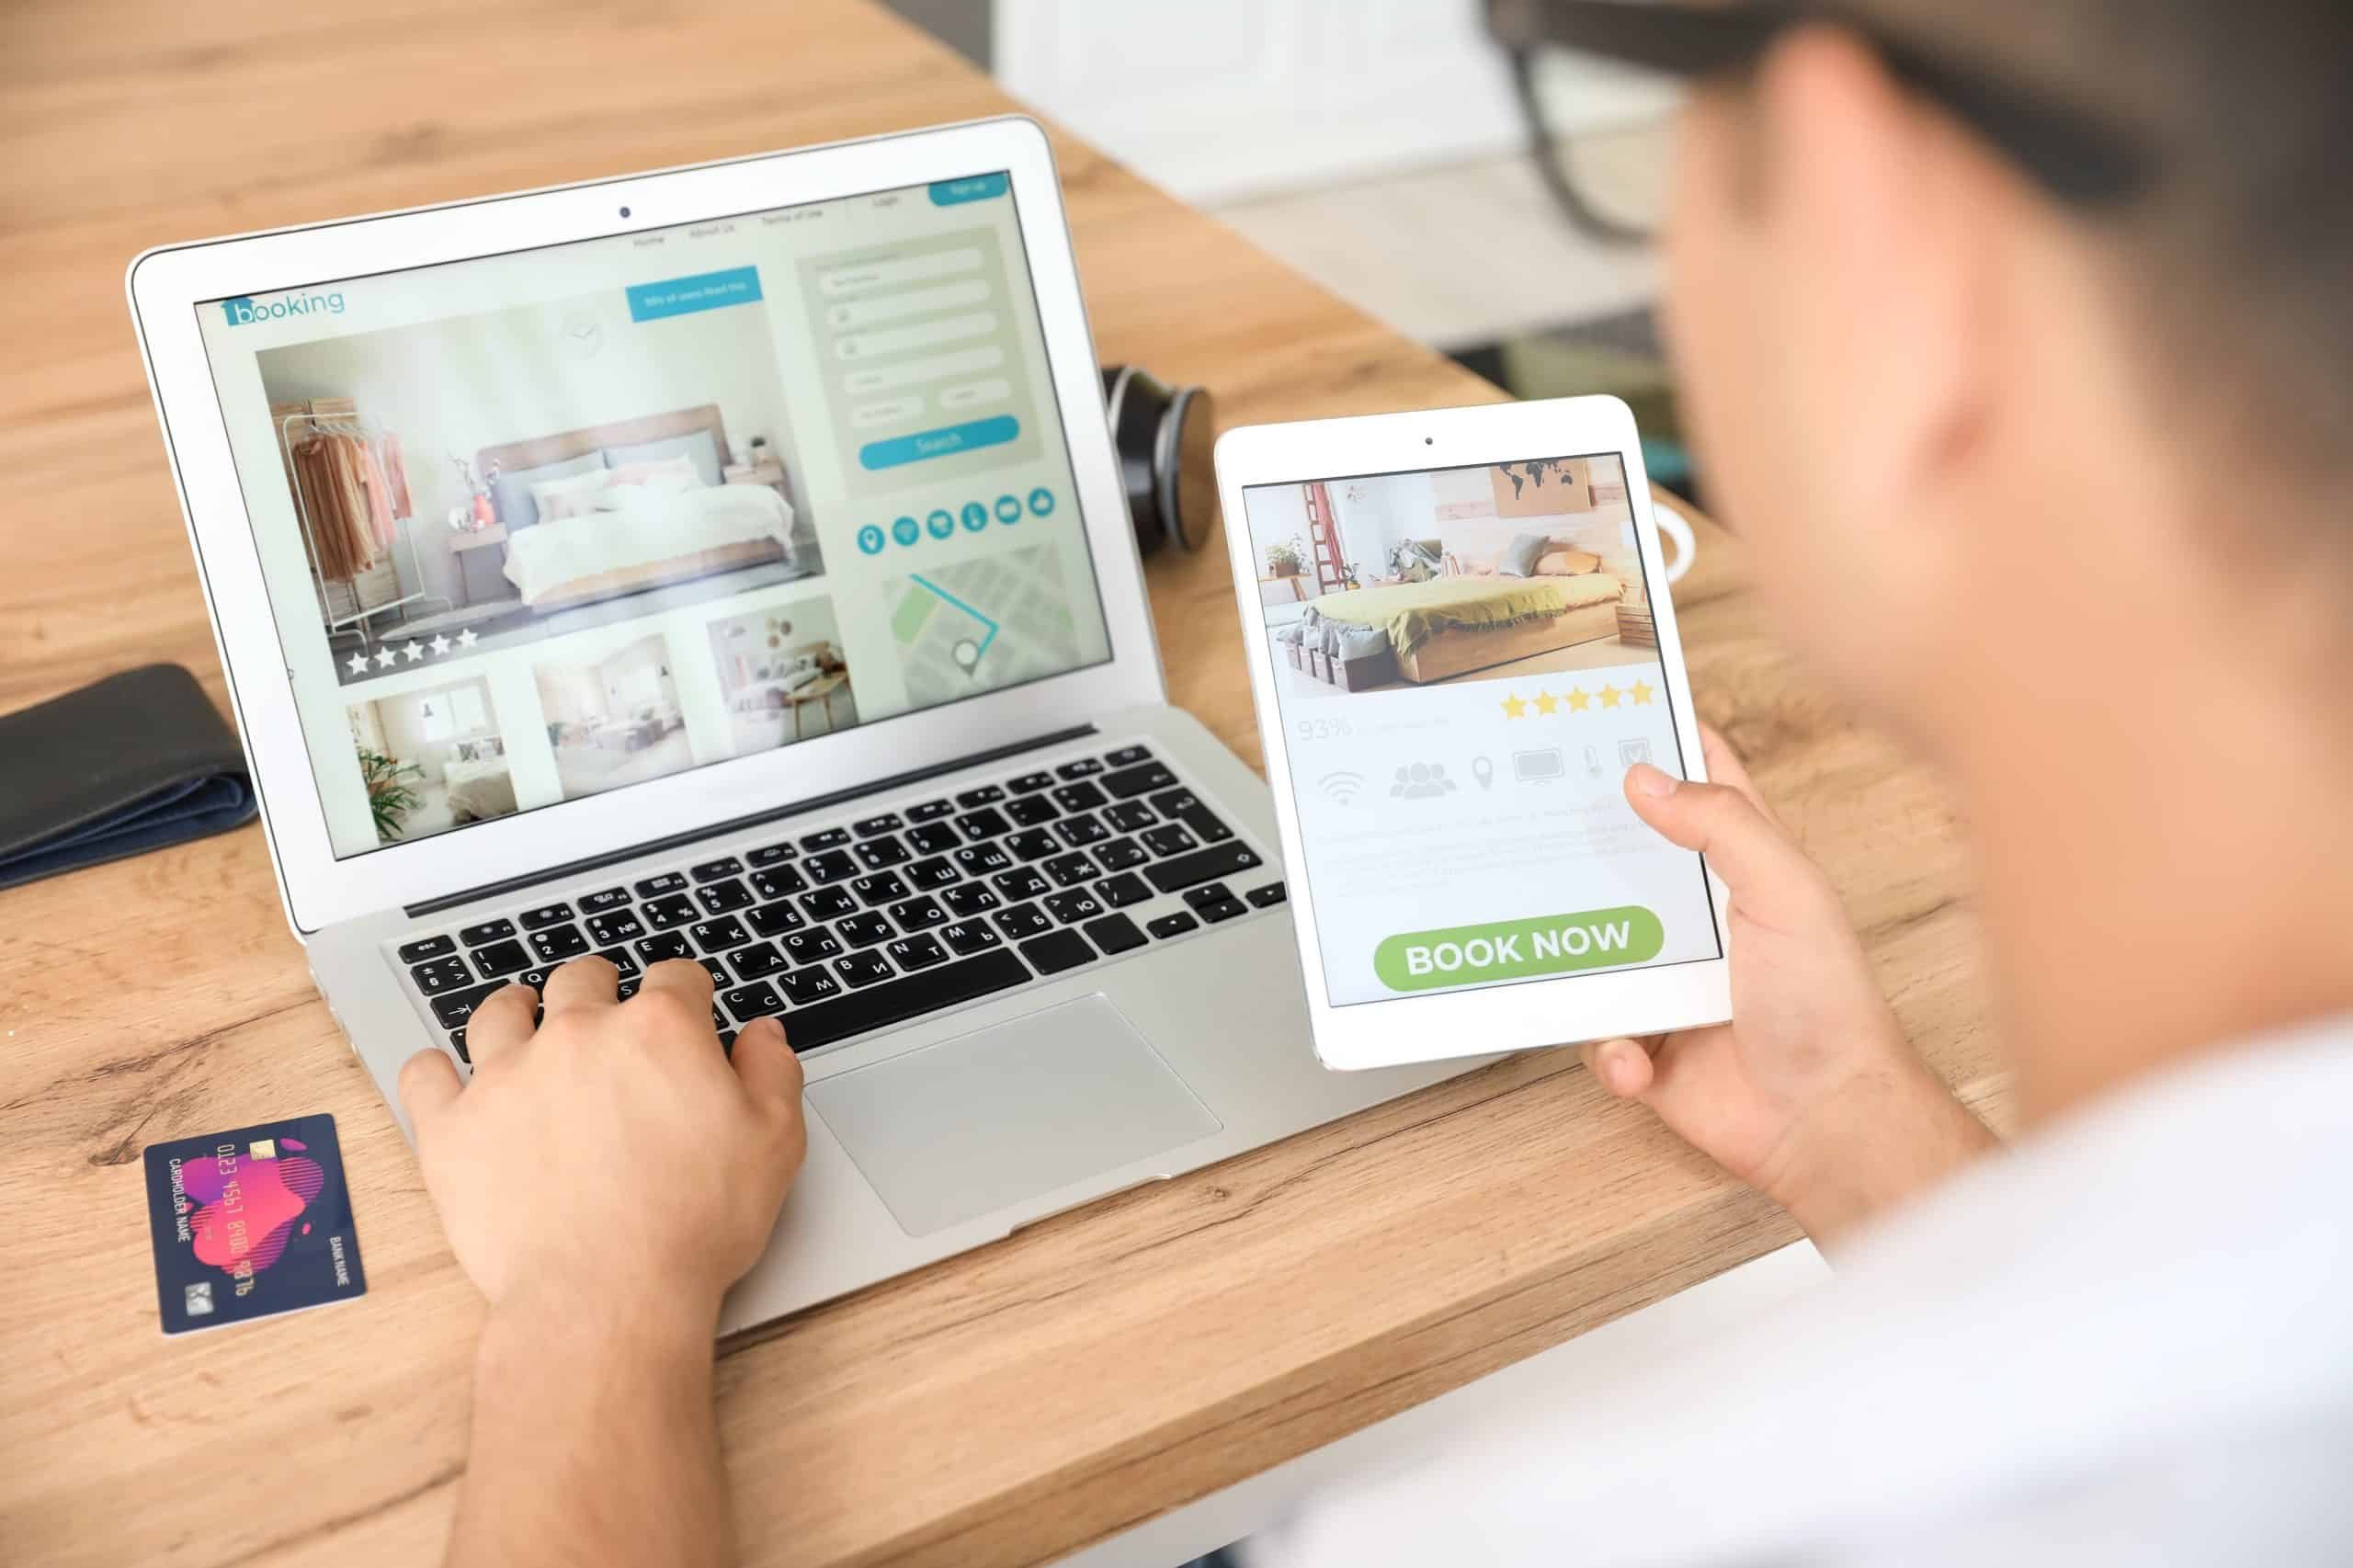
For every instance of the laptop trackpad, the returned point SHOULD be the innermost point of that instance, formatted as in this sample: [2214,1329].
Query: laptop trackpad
[980,1121]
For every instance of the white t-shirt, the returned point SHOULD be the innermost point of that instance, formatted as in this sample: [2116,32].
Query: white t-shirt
[2126,1340]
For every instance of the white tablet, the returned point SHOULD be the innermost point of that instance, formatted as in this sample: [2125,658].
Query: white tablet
[1460,639]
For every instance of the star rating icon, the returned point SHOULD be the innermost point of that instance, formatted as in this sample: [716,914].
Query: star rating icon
[1579,699]
[1610,695]
[1641,692]
[413,651]
[1512,707]
[1546,702]
[467,639]
[357,664]
[385,658]
[440,644]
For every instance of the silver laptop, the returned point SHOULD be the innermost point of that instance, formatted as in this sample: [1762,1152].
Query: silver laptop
[729,563]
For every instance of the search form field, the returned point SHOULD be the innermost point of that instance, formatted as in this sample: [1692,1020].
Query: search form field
[916,373]
[900,270]
[923,335]
[914,303]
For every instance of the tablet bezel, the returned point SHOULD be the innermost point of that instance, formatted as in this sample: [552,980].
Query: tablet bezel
[1520,1014]
[167,284]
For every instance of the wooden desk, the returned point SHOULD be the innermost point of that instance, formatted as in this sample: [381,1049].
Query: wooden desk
[1004,1407]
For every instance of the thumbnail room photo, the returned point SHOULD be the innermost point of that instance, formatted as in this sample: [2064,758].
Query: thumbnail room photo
[487,480]
[614,719]
[433,760]
[782,675]
[1418,579]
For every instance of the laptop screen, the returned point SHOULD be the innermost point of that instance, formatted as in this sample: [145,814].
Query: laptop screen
[544,524]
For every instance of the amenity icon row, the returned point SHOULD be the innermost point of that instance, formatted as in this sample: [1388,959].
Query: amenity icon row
[941,522]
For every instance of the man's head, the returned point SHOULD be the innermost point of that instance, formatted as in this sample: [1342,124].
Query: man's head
[1976,430]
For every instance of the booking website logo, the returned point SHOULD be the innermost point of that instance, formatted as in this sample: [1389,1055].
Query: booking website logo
[244,311]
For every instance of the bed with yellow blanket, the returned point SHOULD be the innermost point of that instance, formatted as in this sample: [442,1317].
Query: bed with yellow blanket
[1452,624]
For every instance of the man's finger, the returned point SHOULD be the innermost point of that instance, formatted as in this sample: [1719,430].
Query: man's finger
[583,982]
[681,978]
[767,1062]
[428,1083]
[505,1020]
[1621,1066]
[1747,850]
[1727,766]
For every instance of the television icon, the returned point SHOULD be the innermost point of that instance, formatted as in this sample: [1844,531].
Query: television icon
[1539,767]
[1630,752]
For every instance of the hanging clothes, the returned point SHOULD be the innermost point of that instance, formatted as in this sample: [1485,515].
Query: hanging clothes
[396,472]
[379,492]
[334,497]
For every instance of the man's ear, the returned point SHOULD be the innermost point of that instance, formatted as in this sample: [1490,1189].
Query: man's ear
[1891,239]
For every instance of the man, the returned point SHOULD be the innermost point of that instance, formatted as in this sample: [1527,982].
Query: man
[2045,470]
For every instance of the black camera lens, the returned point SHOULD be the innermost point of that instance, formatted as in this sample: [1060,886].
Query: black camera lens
[624,211]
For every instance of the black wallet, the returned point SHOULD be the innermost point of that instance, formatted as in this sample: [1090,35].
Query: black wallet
[130,764]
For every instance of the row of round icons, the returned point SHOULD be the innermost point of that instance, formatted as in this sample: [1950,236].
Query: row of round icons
[942,522]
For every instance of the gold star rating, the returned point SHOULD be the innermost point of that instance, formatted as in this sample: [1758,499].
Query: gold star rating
[1610,695]
[1579,701]
[1546,702]
[1512,707]
[1642,693]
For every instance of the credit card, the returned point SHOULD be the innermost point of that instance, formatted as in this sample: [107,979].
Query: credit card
[251,1223]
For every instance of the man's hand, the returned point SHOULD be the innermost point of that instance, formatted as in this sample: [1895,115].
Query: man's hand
[1811,1093]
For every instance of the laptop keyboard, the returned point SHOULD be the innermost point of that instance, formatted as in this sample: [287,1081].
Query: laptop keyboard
[878,920]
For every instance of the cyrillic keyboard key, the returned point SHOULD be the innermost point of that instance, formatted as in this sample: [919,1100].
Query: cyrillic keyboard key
[1140,779]
[442,974]
[1079,797]
[806,987]
[879,1006]
[669,945]
[558,943]
[931,811]
[863,969]
[719,898]
[674,909]
[1023,921]
[912,953]
[1202,866]
[501,957]
[868,827]
[968,937]
[754,1001]
[718,936]
[864,930]
[970,898]
[622,926]
[1074,906]
[1115,933]
[1123,890]
[1058,951]
[1029,782]
[774,919]
[933,838]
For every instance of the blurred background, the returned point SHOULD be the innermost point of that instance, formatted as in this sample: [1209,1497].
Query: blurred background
[1391,150]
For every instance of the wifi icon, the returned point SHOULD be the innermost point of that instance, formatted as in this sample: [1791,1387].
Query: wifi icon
[1342,787]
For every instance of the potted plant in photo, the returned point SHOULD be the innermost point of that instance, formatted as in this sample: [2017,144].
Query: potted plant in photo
[390,796]
[1285,558]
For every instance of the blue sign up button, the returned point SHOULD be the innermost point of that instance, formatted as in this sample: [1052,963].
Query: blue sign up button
[980,187]
[703,291]
[900,451]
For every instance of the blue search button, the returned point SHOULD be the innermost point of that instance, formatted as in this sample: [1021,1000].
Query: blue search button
[980,187]
[900,451]
[703,291]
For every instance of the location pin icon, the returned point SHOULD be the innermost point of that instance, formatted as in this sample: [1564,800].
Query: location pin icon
[1483,771]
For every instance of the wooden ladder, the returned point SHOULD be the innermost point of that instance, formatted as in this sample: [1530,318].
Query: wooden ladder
[1324,541]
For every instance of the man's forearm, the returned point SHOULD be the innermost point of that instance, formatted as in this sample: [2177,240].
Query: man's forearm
[1901,1134]
[594,1439]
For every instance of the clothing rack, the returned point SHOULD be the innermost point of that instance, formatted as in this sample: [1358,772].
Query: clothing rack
[355,624]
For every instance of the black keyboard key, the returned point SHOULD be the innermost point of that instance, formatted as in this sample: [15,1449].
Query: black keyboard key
[863,969]
[1022,921]
[1030,810]
[1213,892]
[774,919]
[603,902]
[1182,805]
[426,948]
[674,909]
[1115,933]
[1128,756]
[1070,870]
[777,882]
[986,823]
[720,897]
[833,866]
[458,1044]
[877,853]
[932,838]
[654,887]
[1121,855]
[1074,906]
[752,962]
[620,927]
[718,936]
[772,855]
[1060,951]
[1035,844]
[883,887]
[965,937]
[1202,866]
[1123,890]
[1268,896]
[868,827]
[936,873]
[1224,909]
[1140,780]
[621,959]
[970,898]
[1020,884]
[979,860]
[558,943]
[919,914]
[865,930]
[442,974]
[626,987]
[1129,816]
[1079,797]
[536,977]
[882,1005]
[829,903]
[453,1009]
[1082,830]
[718,976]
[806,987]
[501,957]
[931,811]
[1029,783]
[808,947]
[824,839]
[986,795]
[669,945]
[1085,767]
[1169,839]
[1175,925]
[488,931]
[912,953]
[757,1000]
[712,870]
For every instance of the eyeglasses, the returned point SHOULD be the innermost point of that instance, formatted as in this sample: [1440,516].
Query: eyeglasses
[2078,156]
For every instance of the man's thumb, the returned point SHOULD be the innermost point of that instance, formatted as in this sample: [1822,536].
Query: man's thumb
[1719,822]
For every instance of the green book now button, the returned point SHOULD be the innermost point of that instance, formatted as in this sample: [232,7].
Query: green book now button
[1516,950]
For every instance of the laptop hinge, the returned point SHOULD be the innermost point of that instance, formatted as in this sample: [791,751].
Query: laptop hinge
[799,807]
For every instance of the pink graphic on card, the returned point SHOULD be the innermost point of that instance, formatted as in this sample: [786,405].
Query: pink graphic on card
[250,1201]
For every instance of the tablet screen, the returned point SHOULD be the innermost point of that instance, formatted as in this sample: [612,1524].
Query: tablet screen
[1465,668]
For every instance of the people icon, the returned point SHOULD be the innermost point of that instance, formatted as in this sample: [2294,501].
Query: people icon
[1422,781]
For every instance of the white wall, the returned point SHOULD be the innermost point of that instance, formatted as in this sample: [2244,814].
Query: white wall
[404,729]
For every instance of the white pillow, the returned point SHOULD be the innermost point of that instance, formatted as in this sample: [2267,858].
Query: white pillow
[573,498]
